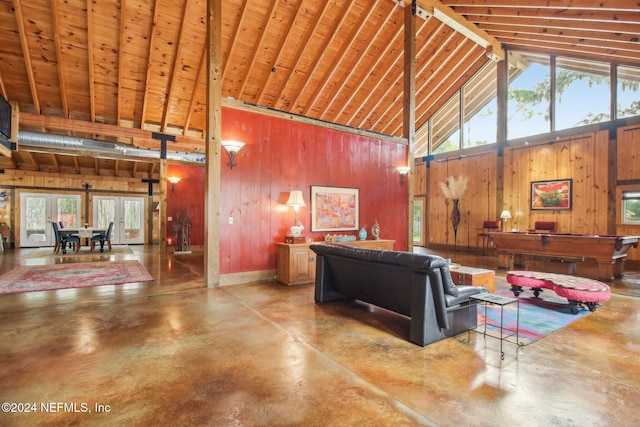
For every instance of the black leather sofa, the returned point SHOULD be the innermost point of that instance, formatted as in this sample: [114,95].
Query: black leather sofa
[414,285]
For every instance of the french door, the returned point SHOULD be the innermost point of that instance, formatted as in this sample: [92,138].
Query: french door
[127,214]
[38,210]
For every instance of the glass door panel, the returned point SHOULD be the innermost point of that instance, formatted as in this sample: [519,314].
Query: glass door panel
[38,210]
[126,214]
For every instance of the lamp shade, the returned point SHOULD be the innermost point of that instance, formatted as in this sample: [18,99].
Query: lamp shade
[403,170]
[295,199]
[232,146]
[505,214]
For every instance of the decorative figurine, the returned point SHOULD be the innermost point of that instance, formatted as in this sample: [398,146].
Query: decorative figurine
[375,231]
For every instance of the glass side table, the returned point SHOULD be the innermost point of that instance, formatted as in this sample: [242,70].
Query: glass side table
[505,333]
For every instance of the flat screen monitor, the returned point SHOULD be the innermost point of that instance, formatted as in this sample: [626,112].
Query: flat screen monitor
[5,118]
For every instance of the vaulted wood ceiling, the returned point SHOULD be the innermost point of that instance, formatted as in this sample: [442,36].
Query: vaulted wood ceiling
[140,65]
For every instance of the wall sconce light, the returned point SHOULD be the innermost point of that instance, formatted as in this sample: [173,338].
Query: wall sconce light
[504,216]
[296,200]
[232,147]
[403,170]
[173,180]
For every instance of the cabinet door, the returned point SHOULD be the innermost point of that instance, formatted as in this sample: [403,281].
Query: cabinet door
[302,265]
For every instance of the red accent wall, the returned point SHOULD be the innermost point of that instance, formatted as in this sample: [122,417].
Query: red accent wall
[281,156]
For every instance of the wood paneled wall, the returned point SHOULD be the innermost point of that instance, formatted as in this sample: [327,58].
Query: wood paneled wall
[590,159]
[281,156]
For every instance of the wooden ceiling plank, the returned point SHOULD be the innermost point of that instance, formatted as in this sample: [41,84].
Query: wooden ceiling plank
[174,71]
[34,160]
[295,64]
[92,79]
[60,57]
[576,13]
[431,48]
[332,68]
[279,50]
[243,16]
[254,53]
[17,5]
[121,62]
[153,31]
[630,5]
[319,61]
[458,23]
[393,40]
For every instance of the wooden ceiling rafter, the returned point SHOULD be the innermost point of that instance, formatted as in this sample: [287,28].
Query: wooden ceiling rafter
[134,170]
[333,67]
[22,31]
[174,72]
[92,77]
[34,160]
[96,166]
[61,73]
[335,31]
[243,16]
[550,13]
[279,51]
[295,64]
[393,40]
[56,162]
[254,52]
[152,169]
[196,86]
[121,50]
[145,97]
[76,164]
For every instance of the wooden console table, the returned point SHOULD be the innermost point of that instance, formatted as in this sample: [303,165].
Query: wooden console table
[296,262]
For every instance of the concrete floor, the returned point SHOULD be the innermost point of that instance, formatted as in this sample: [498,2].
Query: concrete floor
[170,352]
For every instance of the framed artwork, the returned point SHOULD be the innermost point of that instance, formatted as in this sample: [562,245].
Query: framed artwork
[551,195]
[419,206]
[334,208]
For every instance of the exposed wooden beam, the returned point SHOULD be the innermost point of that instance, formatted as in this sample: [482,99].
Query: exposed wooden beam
[34,160]
[17,5]
[92,78]
[76,164]
[196,89]
[458,23]
[145,101]
[56,162]
[60,56]
[134,169]
[120,59]
[409,112]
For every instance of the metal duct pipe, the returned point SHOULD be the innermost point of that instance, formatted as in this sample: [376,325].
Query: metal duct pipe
[93,148]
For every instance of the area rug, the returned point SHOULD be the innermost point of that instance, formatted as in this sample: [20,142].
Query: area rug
[84,251]
[539,316]
[72,275]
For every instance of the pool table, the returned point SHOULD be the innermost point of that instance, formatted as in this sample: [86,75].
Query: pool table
[609,252]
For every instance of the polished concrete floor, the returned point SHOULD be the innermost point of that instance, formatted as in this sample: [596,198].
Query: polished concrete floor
[170,352]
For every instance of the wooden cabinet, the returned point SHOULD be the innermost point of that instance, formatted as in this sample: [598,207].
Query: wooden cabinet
[296,263]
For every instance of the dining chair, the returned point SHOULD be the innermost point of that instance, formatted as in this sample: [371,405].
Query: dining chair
[103,238]
[61,241]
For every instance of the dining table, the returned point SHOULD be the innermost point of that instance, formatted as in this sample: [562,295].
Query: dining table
[85,233]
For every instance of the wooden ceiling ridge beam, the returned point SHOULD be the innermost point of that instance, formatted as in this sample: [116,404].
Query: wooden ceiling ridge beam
[320,60]
[395,36]
[147,80]
[339,58]
[268,20]
[459,24]
[279,51]
[56,38]
[174,70]
[17,6]
[296,62]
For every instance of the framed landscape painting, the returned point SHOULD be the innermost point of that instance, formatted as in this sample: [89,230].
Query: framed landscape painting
[334,208]
[551,195]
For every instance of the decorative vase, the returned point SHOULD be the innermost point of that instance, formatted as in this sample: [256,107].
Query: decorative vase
[455,220]
[375,231]
[363,234]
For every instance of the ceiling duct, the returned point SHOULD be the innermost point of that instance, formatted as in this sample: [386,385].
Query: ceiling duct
[71,145]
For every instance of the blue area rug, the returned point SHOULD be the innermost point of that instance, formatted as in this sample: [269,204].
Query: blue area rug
[538,316]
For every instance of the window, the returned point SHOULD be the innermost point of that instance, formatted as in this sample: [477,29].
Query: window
[446,126]
[529,94]
[628,92]
[480,108]
[582,93]
[631,207]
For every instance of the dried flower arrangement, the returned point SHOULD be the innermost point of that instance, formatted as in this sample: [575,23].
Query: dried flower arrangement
[454,189]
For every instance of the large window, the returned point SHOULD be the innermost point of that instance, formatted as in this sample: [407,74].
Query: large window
[529,94]
[582,93]
[480,108]
[628,92]
[446,126]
